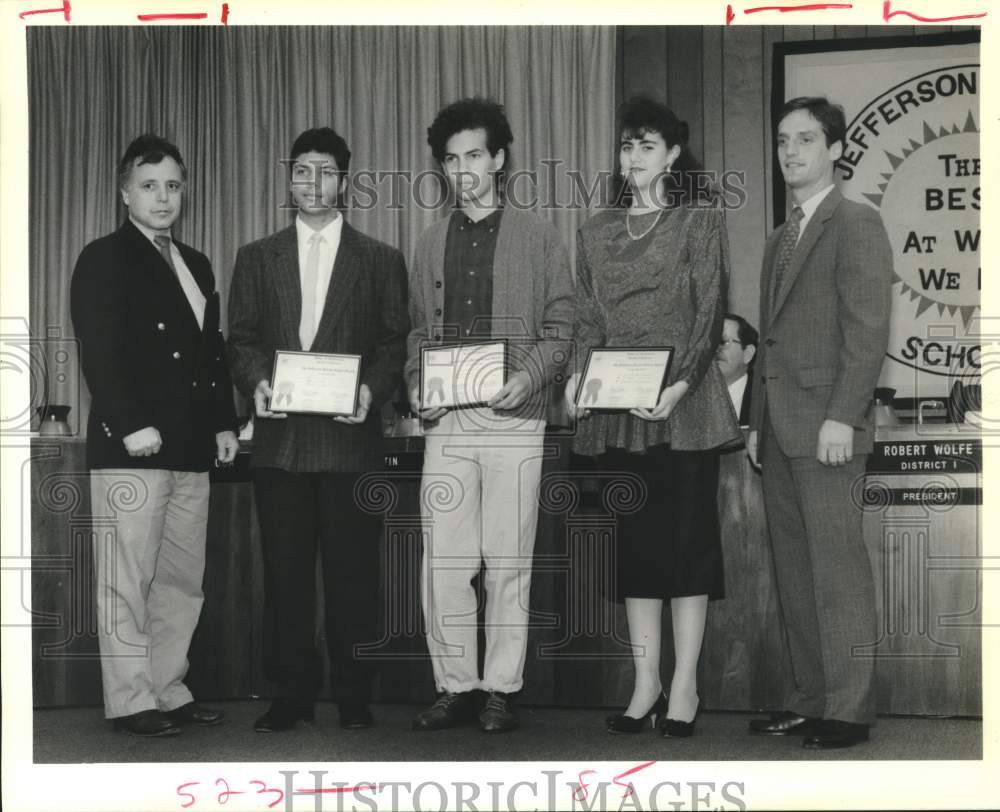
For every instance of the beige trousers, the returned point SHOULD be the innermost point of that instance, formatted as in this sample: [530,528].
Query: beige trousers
[479,499]
[149,550]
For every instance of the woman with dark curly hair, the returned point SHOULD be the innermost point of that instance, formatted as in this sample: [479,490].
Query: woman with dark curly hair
[653,272]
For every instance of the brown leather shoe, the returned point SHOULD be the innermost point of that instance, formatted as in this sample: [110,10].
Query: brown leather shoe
[784,723]
[832,734]
[497,715]
[194,714]
[449,710]
[146,723]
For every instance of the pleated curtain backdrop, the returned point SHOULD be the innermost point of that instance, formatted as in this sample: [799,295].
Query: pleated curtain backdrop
[233,99]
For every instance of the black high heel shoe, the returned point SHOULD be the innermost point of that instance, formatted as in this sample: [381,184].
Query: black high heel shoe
[620,723]
[671,728]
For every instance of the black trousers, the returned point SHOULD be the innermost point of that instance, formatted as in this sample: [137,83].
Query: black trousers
[297,512]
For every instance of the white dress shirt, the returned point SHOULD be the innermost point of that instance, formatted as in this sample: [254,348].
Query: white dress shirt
[327,256]
[736,390]
[188,284]
[809,208]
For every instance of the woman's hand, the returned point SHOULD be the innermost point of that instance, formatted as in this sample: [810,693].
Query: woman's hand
[669,398]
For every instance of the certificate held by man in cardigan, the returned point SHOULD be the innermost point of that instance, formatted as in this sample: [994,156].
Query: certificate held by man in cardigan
[462,375]
[623,378]
[315,383]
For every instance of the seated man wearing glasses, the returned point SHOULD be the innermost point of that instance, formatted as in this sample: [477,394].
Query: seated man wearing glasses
[735,357]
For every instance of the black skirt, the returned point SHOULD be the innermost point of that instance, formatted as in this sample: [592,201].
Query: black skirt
[667,543]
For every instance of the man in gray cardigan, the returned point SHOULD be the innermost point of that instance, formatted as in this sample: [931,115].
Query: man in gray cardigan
[487,272]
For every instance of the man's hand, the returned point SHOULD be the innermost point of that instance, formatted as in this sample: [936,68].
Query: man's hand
[836,443]
[430,415]
[753,440]
[226,446]
[513,393]
[580,413]
[669,398]
[260,397]
[143,443]
[364,404]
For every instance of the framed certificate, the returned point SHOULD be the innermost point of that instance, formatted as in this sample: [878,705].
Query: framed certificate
[623,378]
[463,374]
[315,383]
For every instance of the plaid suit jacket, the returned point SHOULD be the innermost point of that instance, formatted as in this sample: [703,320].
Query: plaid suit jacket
[365,314]
[824,333]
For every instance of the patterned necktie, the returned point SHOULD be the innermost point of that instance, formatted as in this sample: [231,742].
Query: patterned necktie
[786,247]
[163,243]
[307,326]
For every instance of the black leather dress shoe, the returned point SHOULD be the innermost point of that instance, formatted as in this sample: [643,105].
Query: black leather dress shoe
[784,723]
[355,716]
[146,723]
[195,714]
[283,714]
[497,715]
[448,710]
[832,734]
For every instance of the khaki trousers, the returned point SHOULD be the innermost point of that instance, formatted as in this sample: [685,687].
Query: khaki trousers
[149,549]
[479,499]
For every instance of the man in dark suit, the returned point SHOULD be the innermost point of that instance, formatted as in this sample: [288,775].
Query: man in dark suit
[146,313]
[825,299]
[735,356]
[321,286]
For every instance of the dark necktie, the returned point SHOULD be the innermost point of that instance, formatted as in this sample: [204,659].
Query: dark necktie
[786,247]
[163,243]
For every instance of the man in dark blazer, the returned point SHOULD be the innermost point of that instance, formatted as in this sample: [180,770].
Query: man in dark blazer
[735,357]
[319,286]
[825,299]
[146,313]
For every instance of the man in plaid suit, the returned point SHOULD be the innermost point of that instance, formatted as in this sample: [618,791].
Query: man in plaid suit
[322,286]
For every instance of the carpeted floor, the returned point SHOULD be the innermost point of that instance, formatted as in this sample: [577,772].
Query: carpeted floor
[81,735]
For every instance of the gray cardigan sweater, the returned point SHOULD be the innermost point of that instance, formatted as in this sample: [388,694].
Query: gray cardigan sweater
[532,301]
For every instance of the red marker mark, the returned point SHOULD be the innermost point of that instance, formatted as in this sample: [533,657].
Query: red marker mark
[149,18]
[888,14]
[629,789]
[180,791]
[810,7]
[64,8]
[225,13]
[265,788]
[729,14]
[223,797]
[580,793]
[329,790]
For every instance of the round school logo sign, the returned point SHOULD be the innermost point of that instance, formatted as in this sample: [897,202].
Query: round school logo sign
[913,153]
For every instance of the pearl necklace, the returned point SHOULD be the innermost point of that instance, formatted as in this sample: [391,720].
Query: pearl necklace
[628,225]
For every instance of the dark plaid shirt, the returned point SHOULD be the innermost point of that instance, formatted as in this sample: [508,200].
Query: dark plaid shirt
[468,276]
